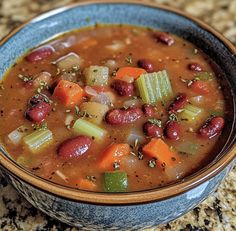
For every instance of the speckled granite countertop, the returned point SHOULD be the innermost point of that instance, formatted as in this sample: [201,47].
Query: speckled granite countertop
[218,212]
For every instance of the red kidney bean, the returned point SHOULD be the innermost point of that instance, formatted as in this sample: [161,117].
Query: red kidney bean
[40,53]
[164,38]
[146,65]
[179,102]
[123,88]
[212,127]
[194,67]
[148,110]
[172,130]
[36,99]
[152,130]
[74,147]
[38,112]
[123,116]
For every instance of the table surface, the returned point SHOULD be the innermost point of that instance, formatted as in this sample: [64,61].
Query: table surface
[218,212]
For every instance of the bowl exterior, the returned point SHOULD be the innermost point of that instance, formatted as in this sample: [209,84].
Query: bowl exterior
[126,217]
[99,217]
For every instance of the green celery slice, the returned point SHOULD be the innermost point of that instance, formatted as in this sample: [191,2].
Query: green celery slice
[84,127]
[116,181]
[38,139]
[191,112]
[154,87]
[142,89]
[188,148]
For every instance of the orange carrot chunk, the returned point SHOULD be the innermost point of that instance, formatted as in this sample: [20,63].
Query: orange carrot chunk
[68,93]
[159,150]
[134,72]
[113,153]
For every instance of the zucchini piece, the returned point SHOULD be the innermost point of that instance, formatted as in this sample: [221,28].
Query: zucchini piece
[188,148]
[96,75]
[191,113]
[154,87]
[84,127]
[116,181]
[38,140]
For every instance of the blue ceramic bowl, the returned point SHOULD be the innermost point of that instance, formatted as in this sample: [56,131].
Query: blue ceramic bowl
[126,211]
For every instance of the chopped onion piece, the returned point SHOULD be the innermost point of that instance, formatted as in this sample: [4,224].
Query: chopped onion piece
[61,175]
[104,98]
[90,91]
[132,102]
[110,63]
[16,136]
[116,46]
[69,61]
[199,99]
[43,77]
[135,136]
[68,120]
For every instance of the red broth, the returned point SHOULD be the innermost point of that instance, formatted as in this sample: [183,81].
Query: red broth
[112,108]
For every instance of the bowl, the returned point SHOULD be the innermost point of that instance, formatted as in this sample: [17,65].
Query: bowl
[124,211]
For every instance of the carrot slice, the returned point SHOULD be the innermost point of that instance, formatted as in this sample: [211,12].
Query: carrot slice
[134,72]
[158,149]
[87,185]
[68,93]
[113,153]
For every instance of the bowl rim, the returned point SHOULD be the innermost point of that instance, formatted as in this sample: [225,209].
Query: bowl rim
[130,198]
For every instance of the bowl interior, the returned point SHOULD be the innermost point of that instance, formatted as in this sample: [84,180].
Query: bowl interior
[65,19]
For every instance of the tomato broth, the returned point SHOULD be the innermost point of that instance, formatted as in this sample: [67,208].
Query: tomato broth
[112,108]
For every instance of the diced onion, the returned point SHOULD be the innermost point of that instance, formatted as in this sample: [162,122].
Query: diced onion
[69,118]
[199,99]
[61,175]
[104,98]
[132,102]
[16,136]
[134,136]
[116,46]
[90,91]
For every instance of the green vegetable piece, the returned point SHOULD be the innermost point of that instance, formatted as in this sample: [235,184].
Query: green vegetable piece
[116,181]
[204,76]
[216,113]
[154,87]
[84,127]
[96,75]
[22,160]
[38,139]
[188,148]
[190,113]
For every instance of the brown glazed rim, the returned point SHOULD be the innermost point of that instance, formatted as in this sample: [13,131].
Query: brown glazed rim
[132,197]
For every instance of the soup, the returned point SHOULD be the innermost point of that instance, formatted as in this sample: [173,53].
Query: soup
[112,108]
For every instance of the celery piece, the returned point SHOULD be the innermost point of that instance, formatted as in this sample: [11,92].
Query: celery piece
[154,87]
[38,139]
[84,127]
[116,181]
[190,112]
[96,75]
[188,148]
